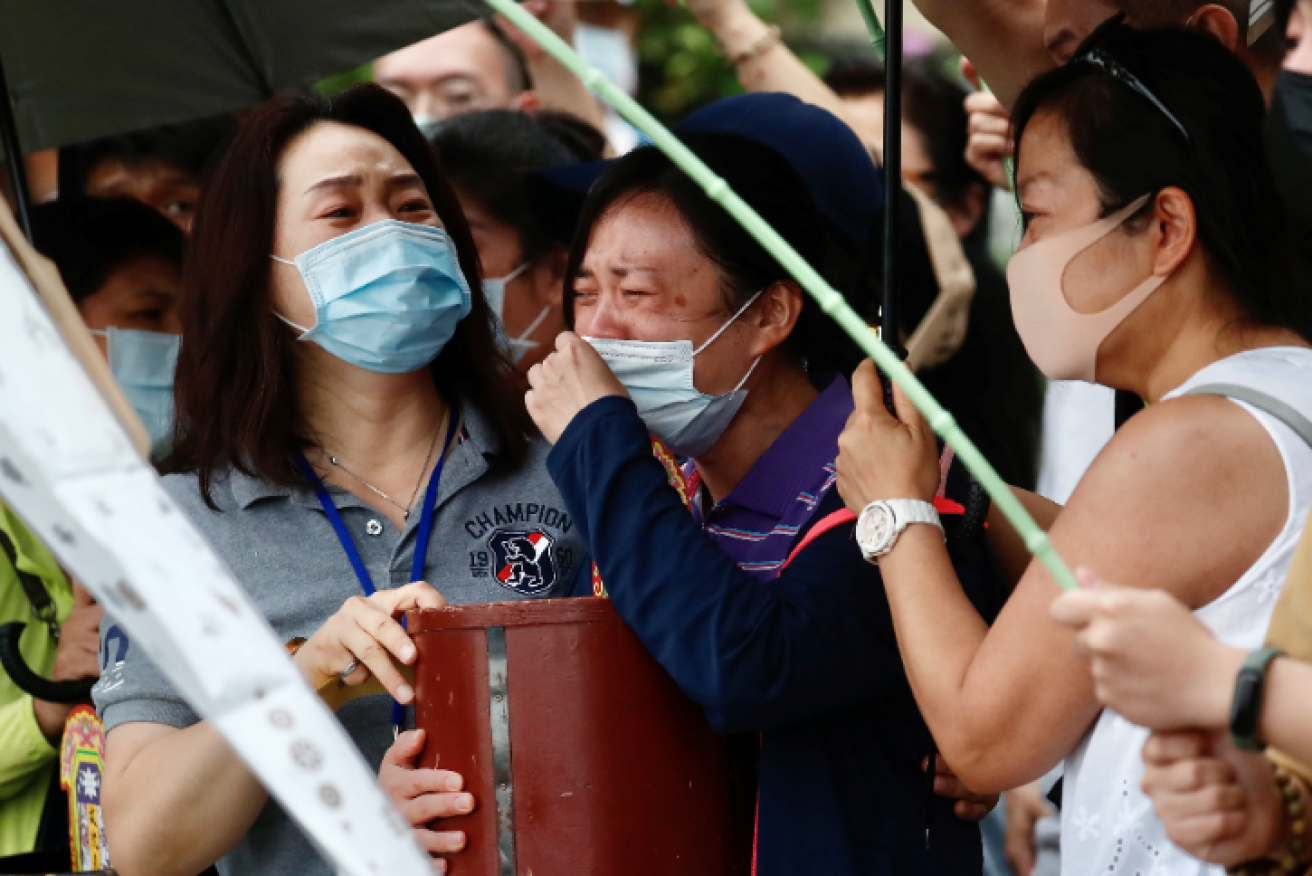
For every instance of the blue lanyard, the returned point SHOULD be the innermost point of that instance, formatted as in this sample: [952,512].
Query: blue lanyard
[422,535]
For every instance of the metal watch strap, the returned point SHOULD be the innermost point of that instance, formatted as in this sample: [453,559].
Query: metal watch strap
[1246,710]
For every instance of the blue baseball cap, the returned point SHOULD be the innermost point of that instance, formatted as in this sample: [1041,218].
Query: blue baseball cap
[832,161]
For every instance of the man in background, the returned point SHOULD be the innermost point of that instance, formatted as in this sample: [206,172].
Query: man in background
[161,167]
[472,67]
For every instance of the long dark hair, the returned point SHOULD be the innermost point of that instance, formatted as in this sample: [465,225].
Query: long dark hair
[1132,148]
[235,388]
[771,185]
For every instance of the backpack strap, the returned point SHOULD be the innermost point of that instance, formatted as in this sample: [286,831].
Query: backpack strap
[1282,411]
[43,605]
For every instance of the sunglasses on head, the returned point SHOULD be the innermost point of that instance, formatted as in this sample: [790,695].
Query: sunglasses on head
[1091,53]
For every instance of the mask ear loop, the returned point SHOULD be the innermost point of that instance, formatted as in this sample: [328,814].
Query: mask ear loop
[532,327]
[747,375]
[513,274]
[732,320]
[725,327]
[302,329]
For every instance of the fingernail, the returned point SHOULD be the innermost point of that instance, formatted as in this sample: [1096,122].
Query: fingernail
[407,653]
[454,783]
[405,693]
[458,841]
[439,864]
[465,803]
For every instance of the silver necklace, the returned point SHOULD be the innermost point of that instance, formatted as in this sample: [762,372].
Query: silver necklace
[405,509]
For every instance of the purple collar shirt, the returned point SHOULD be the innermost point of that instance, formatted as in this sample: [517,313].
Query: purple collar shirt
[757,523]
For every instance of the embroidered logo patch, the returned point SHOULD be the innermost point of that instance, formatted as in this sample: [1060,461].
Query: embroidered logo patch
[525,560]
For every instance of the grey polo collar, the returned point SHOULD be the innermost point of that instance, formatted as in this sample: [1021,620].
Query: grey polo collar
[468,462]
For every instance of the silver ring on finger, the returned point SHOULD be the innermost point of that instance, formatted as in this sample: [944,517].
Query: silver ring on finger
[350,667]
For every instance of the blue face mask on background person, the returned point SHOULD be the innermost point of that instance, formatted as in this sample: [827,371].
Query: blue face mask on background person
[386,297]
[494,290]
[659,378]
[144,364]
[428,125]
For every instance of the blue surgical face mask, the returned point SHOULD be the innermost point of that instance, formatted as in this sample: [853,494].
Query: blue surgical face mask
[494,290]
[428,125]
[144,364]
[659,378]
[386,297]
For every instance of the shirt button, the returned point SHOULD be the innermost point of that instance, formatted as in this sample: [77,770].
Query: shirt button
[373,527]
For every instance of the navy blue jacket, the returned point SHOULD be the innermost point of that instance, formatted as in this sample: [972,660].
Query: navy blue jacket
[808,660]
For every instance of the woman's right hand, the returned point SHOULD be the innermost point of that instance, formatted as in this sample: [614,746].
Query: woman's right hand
[366,631]
[424,795]
[1152,661]
[989,129]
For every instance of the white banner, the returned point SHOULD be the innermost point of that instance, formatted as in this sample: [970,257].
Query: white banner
[68,468]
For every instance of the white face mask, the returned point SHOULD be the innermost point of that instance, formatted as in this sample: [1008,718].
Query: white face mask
[608,50]
[659,378]
[494,290]
[1062,341]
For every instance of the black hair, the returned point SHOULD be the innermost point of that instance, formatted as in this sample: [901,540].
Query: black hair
[1284,9]
[488,156]
[585,142]
[90,238]
[934,104]
[856,77]
[1131,148]
[518,76]
[766,181]
[188,146]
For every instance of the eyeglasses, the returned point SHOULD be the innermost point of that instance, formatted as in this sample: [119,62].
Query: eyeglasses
[1091,53]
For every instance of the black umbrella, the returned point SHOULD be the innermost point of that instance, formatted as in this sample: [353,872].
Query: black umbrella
[81,69]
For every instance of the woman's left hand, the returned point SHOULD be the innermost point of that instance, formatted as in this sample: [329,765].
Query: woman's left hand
[1152,662]
[424,795]
[881,456]
[565,383]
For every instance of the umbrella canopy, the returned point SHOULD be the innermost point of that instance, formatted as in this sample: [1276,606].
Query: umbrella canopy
[81,69]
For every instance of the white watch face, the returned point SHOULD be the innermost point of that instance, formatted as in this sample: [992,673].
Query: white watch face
[877,528]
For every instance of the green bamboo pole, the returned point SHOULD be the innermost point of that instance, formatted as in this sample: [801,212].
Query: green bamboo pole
[873,26]
[832,303]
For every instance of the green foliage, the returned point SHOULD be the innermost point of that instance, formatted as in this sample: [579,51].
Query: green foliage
[681,68]
[335,85]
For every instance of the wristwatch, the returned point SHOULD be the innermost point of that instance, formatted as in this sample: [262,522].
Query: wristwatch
[880,524]
[1246,711]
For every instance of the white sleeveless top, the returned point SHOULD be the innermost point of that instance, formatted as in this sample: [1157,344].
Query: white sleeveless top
[1108,826]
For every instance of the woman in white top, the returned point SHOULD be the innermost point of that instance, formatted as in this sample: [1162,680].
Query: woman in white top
[1153,261]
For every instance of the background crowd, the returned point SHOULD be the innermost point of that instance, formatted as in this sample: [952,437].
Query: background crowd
[360,322]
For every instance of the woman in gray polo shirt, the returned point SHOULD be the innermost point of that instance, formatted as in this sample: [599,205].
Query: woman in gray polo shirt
[344,425]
